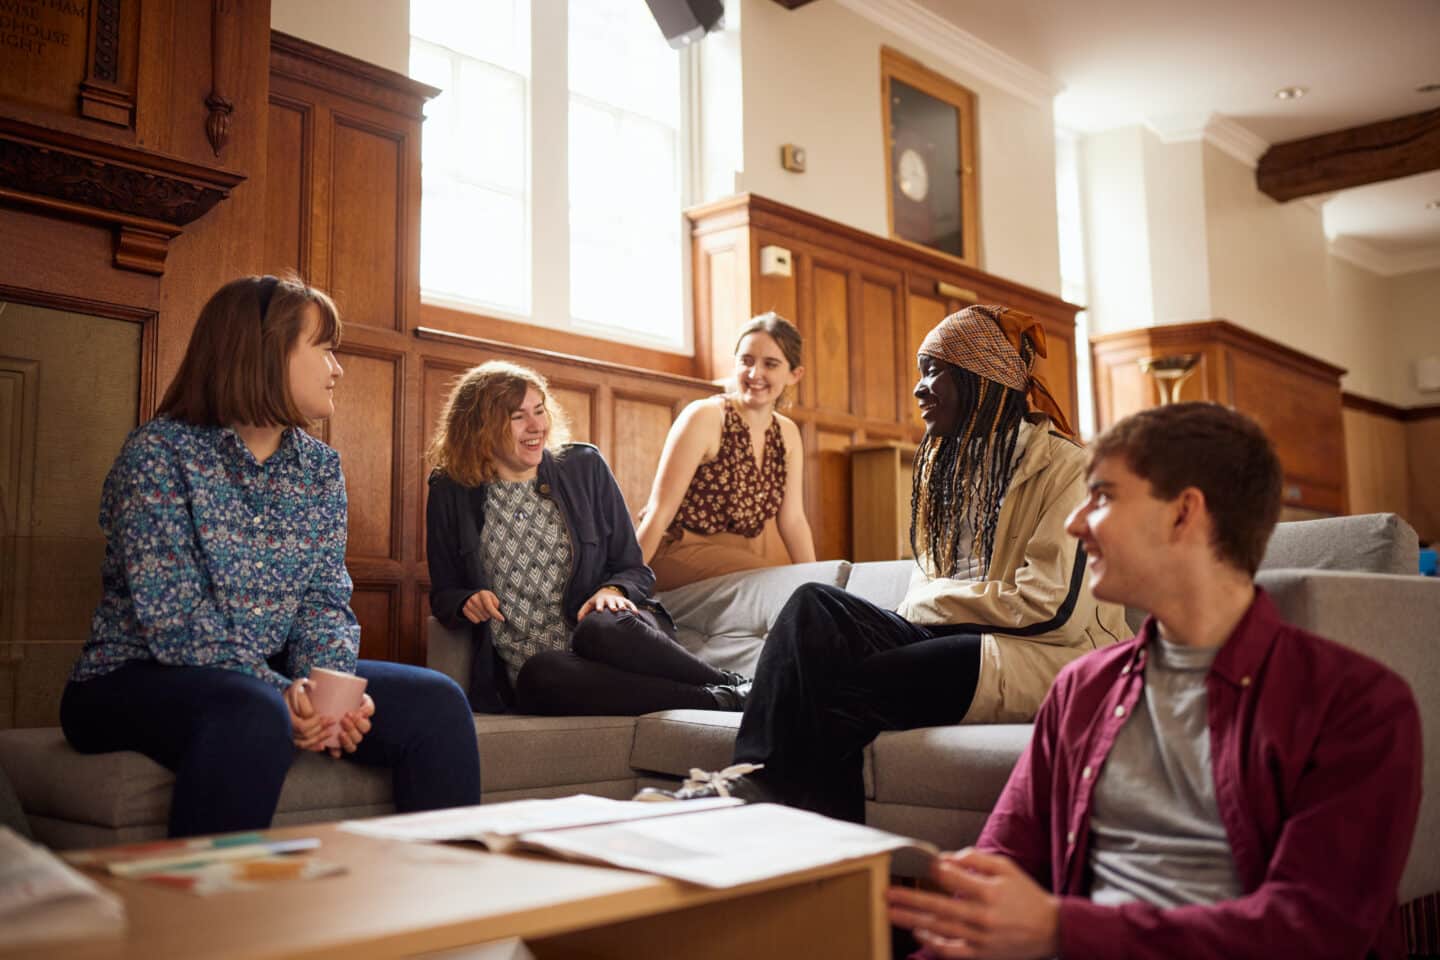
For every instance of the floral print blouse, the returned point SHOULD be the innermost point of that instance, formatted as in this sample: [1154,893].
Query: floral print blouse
[730,494]
[215,560]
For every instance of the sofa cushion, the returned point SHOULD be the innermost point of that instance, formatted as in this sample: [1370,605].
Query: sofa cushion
[963,767]
[1375,542]
[673,741]
[127,789]
[1391,619]
[521,753]
[882,582]
[724,620]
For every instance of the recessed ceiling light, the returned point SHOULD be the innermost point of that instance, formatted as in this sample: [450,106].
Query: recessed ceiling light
[1428,88]
[1291,93]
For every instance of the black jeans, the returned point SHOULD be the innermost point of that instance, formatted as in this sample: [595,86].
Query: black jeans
[835,671]
[226,736]
[619,664]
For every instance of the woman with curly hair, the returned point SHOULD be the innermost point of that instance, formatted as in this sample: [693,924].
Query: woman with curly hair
[529,542]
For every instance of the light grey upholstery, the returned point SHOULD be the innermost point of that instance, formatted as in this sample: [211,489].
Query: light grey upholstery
[726,619]
[1375,542]
[1396,620]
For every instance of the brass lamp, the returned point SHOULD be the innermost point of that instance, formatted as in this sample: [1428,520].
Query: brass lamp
[1169,373]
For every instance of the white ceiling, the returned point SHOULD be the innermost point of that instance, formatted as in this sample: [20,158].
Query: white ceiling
[1172,64]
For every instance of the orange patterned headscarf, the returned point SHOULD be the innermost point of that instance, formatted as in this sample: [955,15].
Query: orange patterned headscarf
[986,340]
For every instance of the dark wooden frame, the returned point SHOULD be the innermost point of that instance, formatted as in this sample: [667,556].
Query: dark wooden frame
[897,66]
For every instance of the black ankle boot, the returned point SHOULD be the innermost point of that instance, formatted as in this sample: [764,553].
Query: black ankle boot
[732,694]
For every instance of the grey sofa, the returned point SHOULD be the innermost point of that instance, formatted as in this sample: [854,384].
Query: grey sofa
[1348,578]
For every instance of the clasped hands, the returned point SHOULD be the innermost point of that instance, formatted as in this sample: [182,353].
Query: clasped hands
[991,909]
[311,730]
[483,605]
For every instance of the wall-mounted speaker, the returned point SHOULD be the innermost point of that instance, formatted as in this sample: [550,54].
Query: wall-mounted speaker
[685,21]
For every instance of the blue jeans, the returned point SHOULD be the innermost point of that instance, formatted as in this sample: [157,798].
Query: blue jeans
[227,737]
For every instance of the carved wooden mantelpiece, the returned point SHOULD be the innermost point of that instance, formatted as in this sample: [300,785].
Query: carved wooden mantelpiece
[147,198]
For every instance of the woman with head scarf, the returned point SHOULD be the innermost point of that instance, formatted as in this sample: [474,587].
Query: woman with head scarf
[997,604]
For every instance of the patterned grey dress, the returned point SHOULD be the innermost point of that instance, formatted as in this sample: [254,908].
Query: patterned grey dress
[527,552]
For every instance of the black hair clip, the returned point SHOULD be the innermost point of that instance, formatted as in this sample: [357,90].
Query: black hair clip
[268,283]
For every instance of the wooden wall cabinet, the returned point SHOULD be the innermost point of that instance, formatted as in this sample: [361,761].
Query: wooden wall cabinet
[1293,396]
[863,303]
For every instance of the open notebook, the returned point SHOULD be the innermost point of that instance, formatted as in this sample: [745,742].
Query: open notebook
[42,898]
[714,843]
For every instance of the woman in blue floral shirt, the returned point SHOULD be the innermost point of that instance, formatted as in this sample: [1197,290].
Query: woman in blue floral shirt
[225,583]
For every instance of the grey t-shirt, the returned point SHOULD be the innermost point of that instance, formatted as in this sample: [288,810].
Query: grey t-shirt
[527,553]
[1156,833]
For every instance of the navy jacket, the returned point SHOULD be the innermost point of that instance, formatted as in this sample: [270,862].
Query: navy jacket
[602,540]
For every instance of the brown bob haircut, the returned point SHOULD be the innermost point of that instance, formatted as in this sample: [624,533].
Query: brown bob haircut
[236,368]
[1223,454]
[475,424]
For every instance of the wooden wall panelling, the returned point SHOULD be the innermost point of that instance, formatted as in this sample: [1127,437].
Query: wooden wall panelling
[1422,446]
[368,431]
[829,330]
[881,334]
[376,605]
[827,474]
[368,220]
[289,156]
[579,404]
[641,423]
[1302,418]
[1377,462]
[721,265]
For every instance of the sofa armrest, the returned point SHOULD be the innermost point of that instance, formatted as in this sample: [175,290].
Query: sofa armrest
[1392,619]
[449,651]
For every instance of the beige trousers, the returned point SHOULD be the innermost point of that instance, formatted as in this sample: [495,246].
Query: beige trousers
[697,556]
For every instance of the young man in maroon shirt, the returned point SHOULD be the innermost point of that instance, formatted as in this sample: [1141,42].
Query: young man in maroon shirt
[1224,784]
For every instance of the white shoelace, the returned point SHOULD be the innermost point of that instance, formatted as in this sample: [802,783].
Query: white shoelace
[719,780]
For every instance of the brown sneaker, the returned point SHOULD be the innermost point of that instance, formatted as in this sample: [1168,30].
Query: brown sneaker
[733,781]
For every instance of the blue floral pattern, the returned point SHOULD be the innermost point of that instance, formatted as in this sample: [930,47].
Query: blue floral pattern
[213,559]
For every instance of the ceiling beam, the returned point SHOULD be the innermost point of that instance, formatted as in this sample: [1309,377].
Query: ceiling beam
[1378,151]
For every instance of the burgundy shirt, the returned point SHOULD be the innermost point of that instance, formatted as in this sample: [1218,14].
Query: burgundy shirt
[1315,751]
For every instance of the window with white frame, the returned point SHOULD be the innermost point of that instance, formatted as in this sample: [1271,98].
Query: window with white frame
[1074,285]
[553,164]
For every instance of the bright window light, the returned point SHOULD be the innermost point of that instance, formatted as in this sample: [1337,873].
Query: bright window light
[625,130]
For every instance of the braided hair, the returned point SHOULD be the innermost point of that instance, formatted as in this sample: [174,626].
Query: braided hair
[960,480]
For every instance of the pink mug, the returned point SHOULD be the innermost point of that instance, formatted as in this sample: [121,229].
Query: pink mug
[334,694]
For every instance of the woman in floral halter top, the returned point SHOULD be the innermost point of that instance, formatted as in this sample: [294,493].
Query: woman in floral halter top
[731,465]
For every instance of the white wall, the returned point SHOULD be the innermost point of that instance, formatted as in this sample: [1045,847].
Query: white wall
[1175,211]
[1117,230]
[377,31]
[812,77]
[1271,272]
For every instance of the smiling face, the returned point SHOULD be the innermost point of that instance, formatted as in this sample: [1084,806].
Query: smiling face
[529,429]
[938,397]
[1126,531]
[312,371]
[761,371]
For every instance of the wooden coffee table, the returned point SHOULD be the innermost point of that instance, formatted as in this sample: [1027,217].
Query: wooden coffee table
[400,899]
